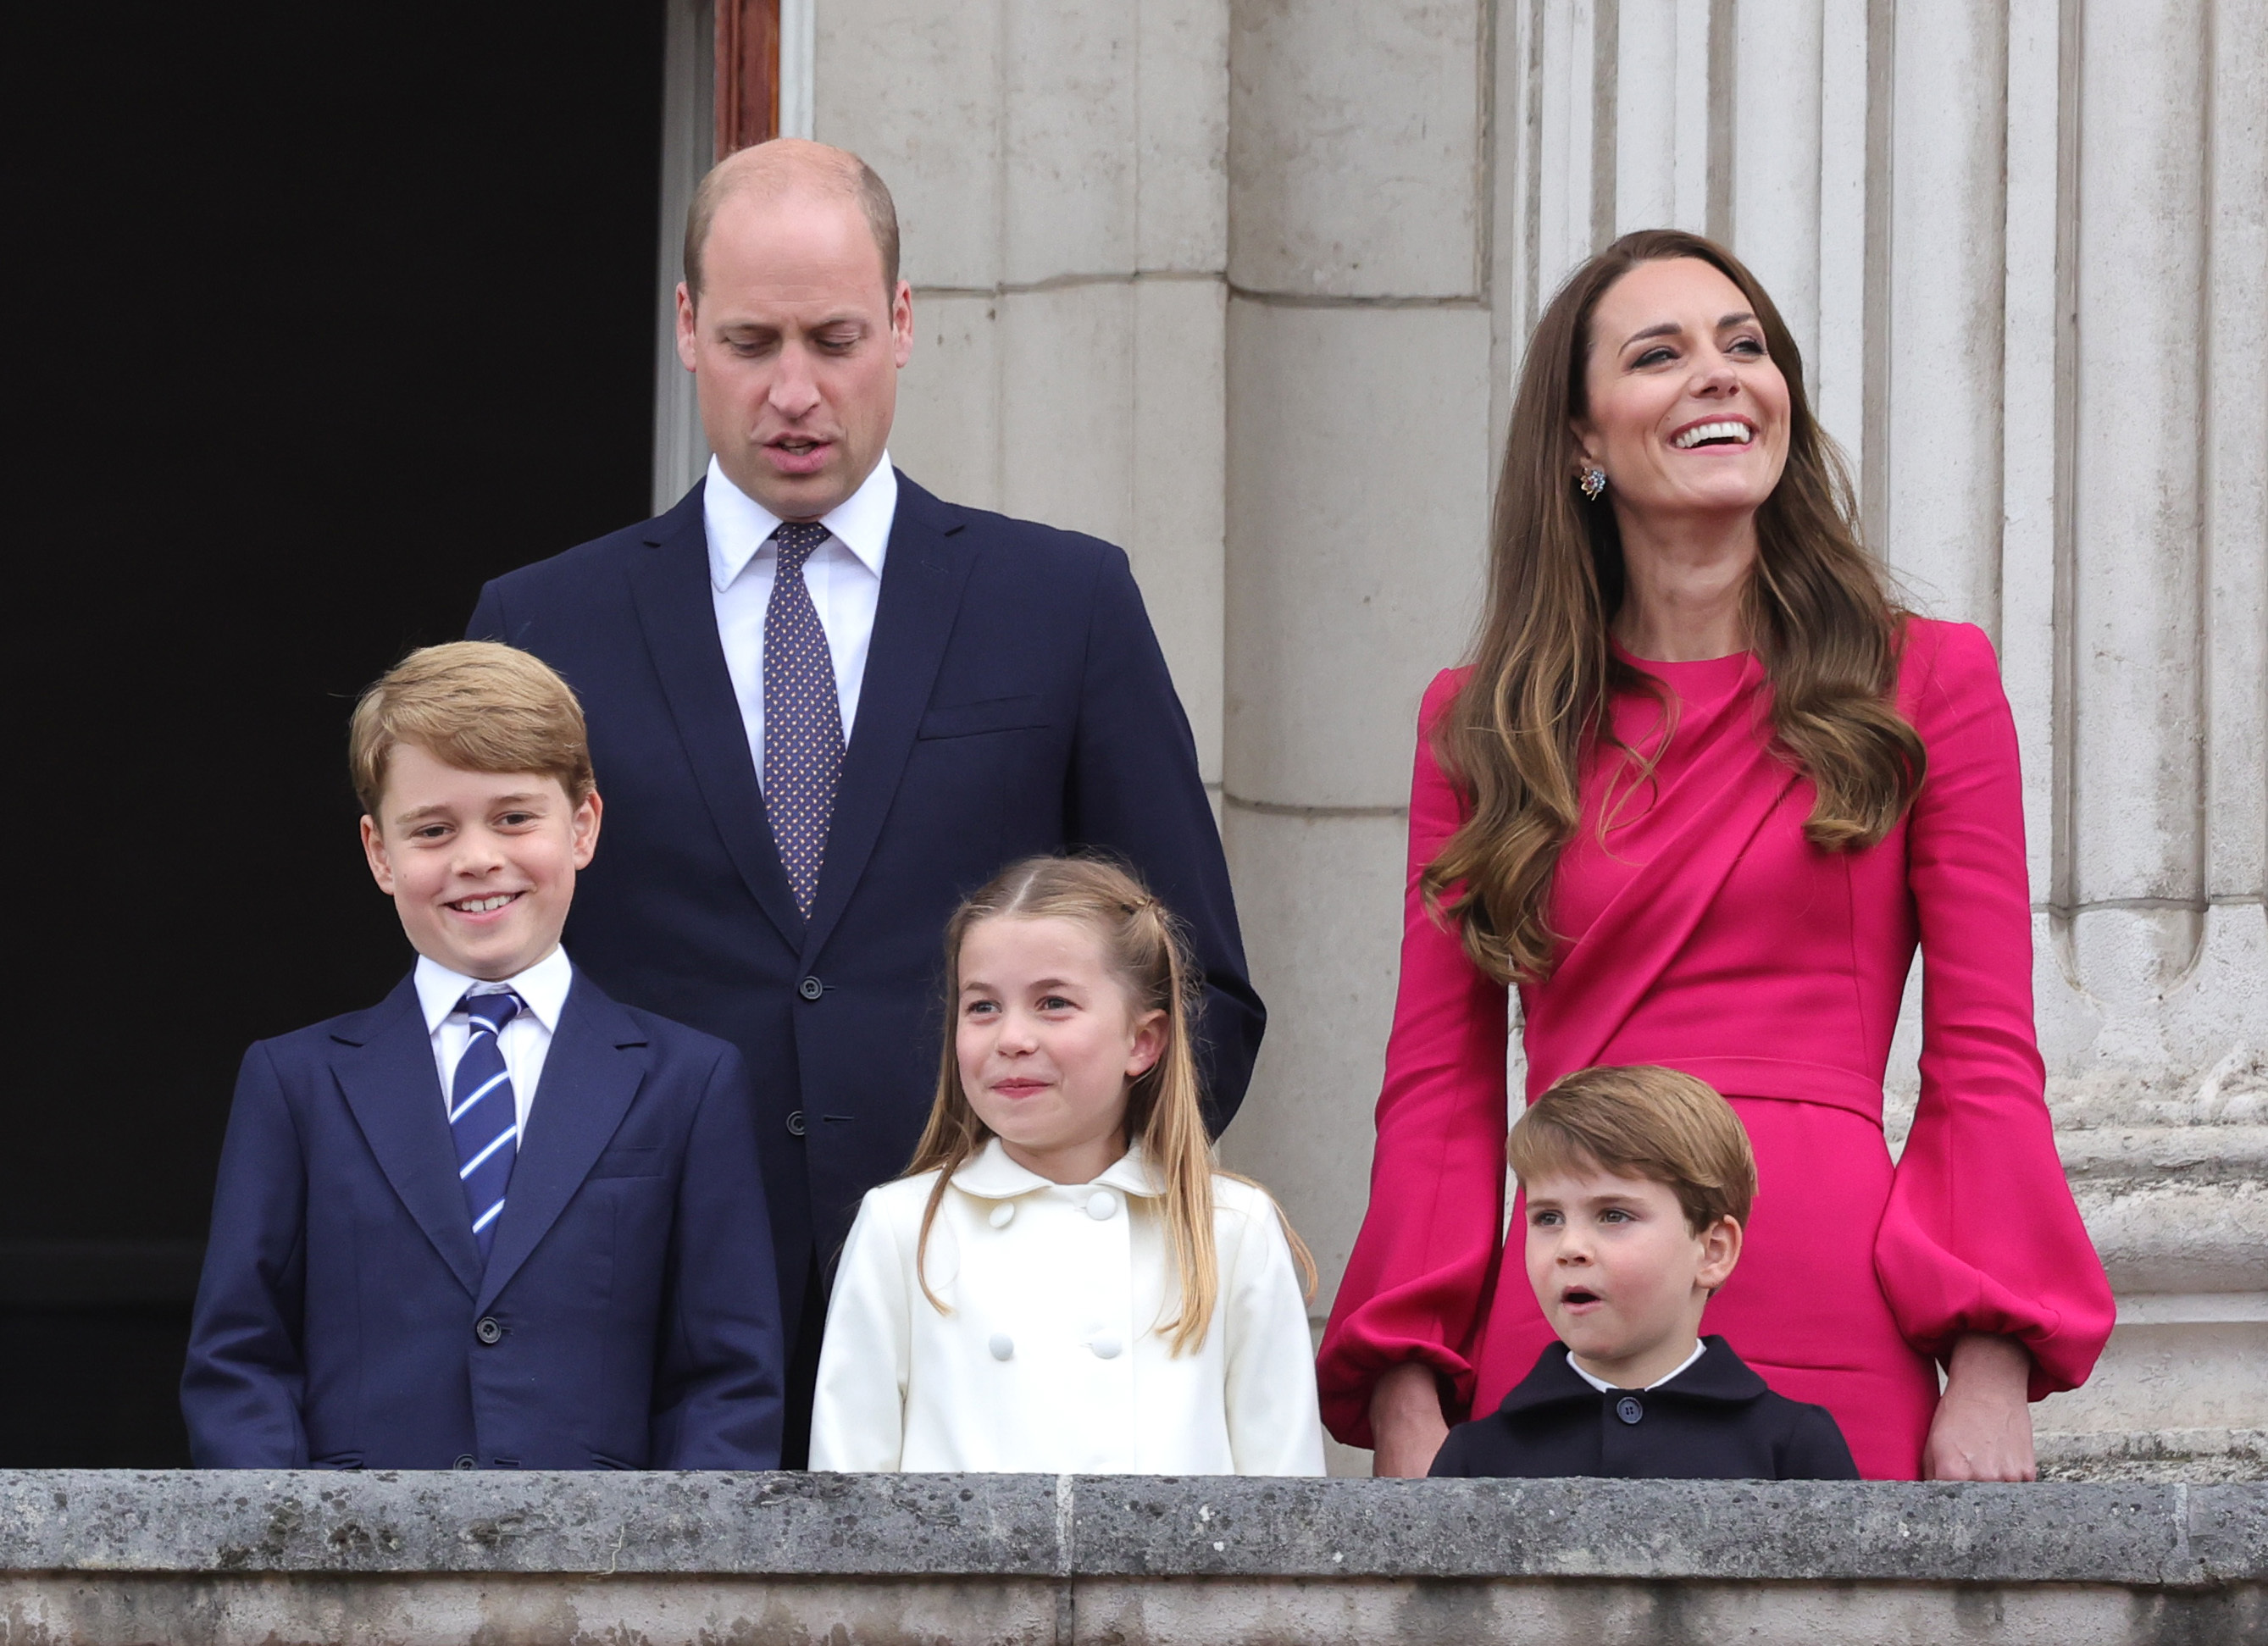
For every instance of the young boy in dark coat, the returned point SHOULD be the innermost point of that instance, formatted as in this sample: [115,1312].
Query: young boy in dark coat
[1637,1183]
[497,1221]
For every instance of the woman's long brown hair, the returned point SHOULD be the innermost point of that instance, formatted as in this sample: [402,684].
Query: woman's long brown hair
[1148,952]
[1820,618]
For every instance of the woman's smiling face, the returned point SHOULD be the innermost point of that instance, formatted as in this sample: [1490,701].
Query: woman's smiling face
[1686,413]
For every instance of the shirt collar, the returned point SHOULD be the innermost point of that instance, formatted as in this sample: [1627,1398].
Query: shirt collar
[739,526]
[542,988]
[990,1175]
[1602,1385]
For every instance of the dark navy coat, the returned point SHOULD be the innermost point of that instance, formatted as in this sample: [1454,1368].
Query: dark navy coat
[1715,1421]
[1014,702]
[626,1317]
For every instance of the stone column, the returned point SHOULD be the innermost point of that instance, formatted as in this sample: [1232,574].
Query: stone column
[1060,171]
[1359,384]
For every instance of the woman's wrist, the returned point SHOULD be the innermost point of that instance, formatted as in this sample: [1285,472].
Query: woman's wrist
[1983,1428]
[1406,1422]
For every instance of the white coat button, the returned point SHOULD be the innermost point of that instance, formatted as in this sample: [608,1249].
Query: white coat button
[1001,1346]
[1002,1215]
[1101,1204]
[1105,1347]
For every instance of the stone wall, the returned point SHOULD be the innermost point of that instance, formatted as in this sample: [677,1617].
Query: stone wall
[93,1559]
[1243,285]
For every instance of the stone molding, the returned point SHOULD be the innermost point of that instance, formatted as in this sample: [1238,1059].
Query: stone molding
[1028,1525]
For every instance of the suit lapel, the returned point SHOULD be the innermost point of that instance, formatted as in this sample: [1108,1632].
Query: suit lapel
[670,585]
[591,1074]
[922,579]
[385,1067]
[1601,980]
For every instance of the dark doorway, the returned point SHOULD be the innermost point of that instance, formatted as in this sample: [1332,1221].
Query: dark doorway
[324,315]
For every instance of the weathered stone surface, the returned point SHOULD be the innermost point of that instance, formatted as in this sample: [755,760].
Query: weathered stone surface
[382,1521]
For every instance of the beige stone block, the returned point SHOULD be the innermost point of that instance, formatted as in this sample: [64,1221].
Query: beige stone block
[1354,145]
[1177,544]
[1182,176]
[1319,898]
[915,90]
[1067,407]
[1358,475]
[2172,1374]
[948,431]
[1069,157]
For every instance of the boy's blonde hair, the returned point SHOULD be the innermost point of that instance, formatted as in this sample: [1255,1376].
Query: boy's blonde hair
[475,705]
[1642,1120]
[1144,947]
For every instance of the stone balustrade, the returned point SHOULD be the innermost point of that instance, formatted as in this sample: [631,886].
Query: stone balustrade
[101,1559]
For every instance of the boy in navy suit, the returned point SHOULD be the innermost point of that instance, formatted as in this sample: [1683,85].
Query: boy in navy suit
[1636,1182]
[497,1221]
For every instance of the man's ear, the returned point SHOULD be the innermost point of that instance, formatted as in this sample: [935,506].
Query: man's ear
[1720,1251]
[688,339]
[373,851]
[902,324]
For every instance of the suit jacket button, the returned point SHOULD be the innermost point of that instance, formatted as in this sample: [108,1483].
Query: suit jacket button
[466,1462]
[795,1124]
[811,988]
[491,1331]
[1629,1410]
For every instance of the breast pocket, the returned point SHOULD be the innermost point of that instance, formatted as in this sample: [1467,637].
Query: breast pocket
[631,1162]
[970,720]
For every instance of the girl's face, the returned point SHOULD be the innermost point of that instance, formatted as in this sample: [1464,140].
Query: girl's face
[1048,1041]
[1688,414]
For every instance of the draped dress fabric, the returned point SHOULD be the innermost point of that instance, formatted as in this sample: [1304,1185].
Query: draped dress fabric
[1704,932]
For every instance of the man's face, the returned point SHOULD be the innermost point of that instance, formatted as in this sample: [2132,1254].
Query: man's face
[795,345]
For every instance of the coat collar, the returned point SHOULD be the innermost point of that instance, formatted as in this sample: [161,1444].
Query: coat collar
[384,1065]
[990,1175]
[1718,1375]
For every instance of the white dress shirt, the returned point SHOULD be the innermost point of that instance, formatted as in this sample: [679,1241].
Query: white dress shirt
[1051,1362]
[1603,1387]
[527,1038]
[844,576]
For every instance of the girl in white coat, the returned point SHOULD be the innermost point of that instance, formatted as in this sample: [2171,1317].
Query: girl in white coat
[1062,1283]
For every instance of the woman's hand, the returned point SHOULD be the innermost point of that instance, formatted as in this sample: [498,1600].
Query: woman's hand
[1406,1421]
[1982,1430]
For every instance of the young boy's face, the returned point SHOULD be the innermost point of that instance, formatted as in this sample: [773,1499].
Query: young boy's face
[480,865]
[1620,1273]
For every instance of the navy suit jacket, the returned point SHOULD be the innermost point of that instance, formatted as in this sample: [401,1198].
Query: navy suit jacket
[1015,702]
[345,1316]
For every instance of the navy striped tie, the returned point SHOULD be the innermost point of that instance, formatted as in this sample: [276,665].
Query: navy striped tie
[483,1116]
[803,717]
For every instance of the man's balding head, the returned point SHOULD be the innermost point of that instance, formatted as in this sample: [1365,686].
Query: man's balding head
[787,165]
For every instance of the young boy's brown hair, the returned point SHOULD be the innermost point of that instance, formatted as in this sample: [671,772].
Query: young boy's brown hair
[475,705]
[1642,1120]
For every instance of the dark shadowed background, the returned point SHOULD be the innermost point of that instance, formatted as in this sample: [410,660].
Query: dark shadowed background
[324,315]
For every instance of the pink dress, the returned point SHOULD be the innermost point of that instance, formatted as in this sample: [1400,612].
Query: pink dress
[1707,933]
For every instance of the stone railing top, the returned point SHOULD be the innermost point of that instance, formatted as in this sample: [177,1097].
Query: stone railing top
[1013,1525]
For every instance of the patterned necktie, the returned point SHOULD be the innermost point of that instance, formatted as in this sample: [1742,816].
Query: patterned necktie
[483,1116]
[803,718]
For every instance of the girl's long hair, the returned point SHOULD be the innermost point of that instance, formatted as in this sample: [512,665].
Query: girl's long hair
[1147,951]
[1820,618]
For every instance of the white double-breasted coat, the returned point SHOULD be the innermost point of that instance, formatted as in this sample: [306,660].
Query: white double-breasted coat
[1050,1361]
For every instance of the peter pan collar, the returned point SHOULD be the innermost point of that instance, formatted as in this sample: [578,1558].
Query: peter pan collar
[990,1175]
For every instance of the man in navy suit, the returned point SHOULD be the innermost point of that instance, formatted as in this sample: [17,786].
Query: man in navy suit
[805,773]
[497,1221]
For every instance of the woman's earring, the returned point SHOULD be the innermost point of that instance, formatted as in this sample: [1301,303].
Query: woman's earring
[1594,483]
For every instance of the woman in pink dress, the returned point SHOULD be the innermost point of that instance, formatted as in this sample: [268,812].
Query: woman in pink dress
[1701,793]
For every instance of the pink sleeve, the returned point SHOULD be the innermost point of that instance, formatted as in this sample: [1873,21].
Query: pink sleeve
[1417,1284]
[1980,1234]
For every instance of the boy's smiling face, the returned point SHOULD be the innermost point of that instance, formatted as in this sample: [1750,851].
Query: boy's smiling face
[1620,1273]
[480,865]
